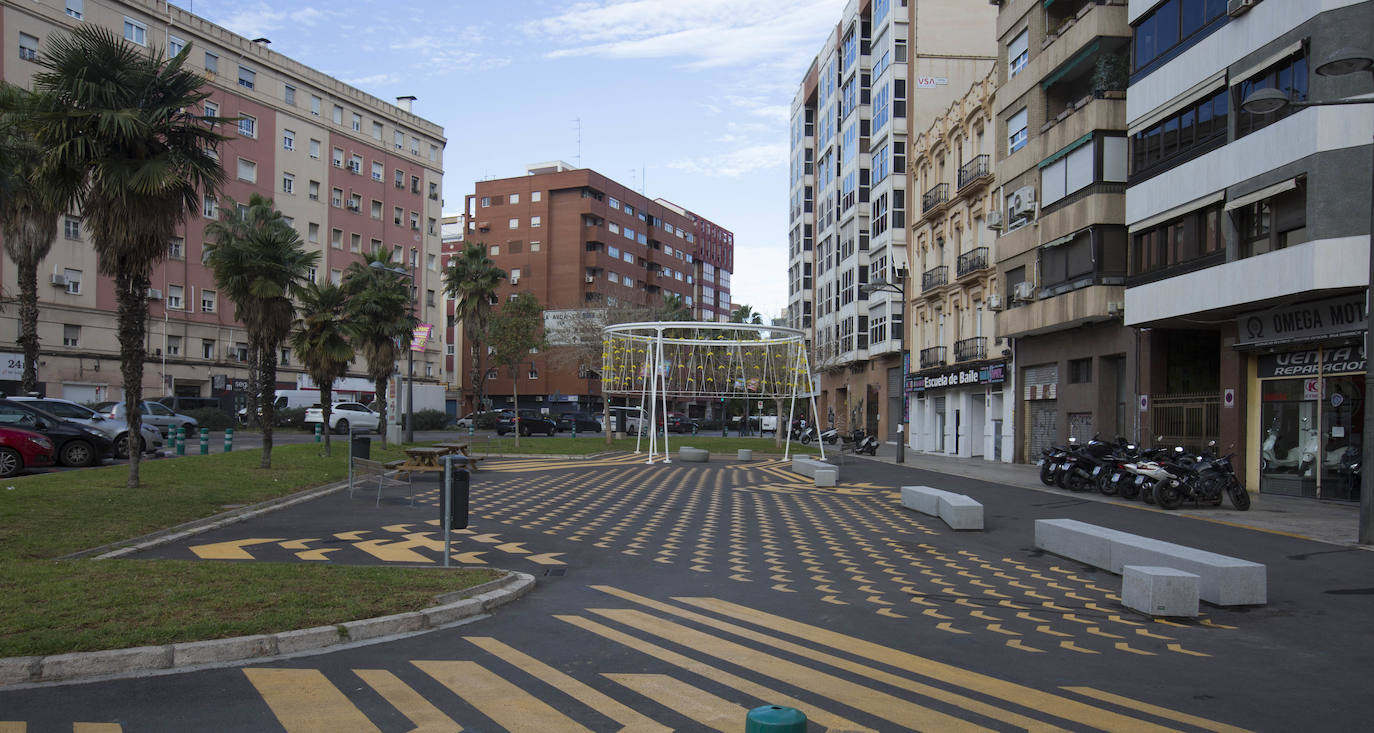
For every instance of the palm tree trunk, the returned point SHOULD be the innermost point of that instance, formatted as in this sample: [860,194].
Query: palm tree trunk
[515,392]
[28,324]
[267,383]
[326,397]
[380,385]
[254,390]
[131,291]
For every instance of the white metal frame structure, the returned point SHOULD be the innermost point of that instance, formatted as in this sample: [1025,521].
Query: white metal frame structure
[696,359]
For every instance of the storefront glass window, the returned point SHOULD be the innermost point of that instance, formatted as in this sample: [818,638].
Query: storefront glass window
[1311,432]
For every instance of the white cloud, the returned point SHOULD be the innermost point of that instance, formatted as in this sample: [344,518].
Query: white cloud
[739,162]
[260,19]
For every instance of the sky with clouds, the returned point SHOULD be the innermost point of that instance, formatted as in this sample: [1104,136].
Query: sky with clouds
[687,100]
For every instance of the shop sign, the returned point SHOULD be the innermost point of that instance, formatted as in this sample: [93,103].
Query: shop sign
[989,374]
[1343,360]
[1312,389]
[12,367]
[1302,321]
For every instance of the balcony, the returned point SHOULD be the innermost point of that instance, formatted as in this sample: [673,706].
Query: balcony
[937,195]
[934,277]
[975,171]
[972,261]
[932,357]
[971,349]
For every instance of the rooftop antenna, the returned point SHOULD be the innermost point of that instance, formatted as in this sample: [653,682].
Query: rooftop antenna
[578,122]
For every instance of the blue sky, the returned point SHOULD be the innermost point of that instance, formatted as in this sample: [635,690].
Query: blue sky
[686,99]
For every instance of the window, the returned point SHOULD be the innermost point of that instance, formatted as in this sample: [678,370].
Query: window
[337,157]
[396,214]
[1173,24]
[355,203]
[211,62]
[73,281]
[336,238]
[285,359]
[135,31]
[28,47]
[315,149]
[338,115]
[429,298]
[376,209]
[288,183]
[174,296]
[400,178]
[355,164]
[431,262]
[1016,131]
[288,140]
[240,351]
[534,246]
[434,152]
[376,171]
[211,109]
[414,184]
[71,227]
[1288,76]
[76,8]
[248,126]
[515,198]
[336,197]
[376,131]
[434,191]
[1079,167]
[71,335]
[211,207]
[1272,223]
[248,171]
[1193,130]
[415,146]
[207,348]
[247,77]
[315,103]
[314,190]
[176,248]
[495,250]
[357,122]
[207,301]
[1080,371]
[288,94]
[534,222]
[1178,241]
[312,274]
[313,232]
[174,45]
[355,242]
[1018,53]
[415,222]
[514,223]
[335,276]
[400,139]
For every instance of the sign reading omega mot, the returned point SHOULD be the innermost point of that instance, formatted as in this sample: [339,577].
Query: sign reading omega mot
[1302,321]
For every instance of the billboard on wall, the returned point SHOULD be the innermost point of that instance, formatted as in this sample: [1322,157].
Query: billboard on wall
[573,327]
[1308,321]
[995,373]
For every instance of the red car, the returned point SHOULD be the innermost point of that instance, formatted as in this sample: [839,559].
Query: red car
[21,449]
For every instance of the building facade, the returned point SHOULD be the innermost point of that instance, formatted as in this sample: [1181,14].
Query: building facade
[889,67]
[1249,234]
[587,247]
[351,172]
[962,388]
[1061,248]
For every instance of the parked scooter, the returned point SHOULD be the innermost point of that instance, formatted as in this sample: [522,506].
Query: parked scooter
[803,432]
[1201,478]
[1086,465]
[831,435]
[861,442]
[1052,462]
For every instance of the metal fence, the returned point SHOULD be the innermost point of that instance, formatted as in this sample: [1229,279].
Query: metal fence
[1189,420]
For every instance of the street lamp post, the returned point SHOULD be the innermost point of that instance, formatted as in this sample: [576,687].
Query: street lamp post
[899,288]
[407,272]
[1267,101]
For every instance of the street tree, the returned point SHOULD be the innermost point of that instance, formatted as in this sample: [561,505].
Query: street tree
[380,318]
[516,330]
[471,280]
[320,341]
[126,142]
[259,263]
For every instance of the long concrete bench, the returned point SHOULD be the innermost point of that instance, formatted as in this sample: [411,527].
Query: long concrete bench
[1222,580]
[824,474]
[693,455]
[1159,591]
[957,510]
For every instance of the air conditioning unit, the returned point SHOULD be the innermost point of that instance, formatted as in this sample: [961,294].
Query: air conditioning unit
[994,302]
[1021,205]
[59,280]
[1024,290]
[1239,7]
[995,221]
[591,279]
[1114,309]
[154,294]
[354,207]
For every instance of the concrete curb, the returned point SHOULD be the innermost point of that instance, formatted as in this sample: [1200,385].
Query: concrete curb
[454,607]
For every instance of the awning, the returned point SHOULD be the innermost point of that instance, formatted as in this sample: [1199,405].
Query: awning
[1072,64]
[1080,142]
[1262,194]
[1062,240]
[1177,211]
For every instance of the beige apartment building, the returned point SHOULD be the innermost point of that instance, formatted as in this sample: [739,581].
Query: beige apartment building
[961,378]
[350,171]
[1061,160]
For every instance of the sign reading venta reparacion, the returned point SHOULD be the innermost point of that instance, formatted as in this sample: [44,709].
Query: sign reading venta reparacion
[1302,321]
[1308,363]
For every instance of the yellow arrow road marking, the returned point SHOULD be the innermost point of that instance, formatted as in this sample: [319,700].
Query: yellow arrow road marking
[231,550]
[546,558]
[998,629]
[1097,631]
[834,600]
[470,558]
[317,554]
[1047,630]
[1074,647]
[1209,622]
[298,544]
[947,626]
[740,577]
[1178,648]
[397,528]
[391,552]
[493,538]
[1123,646]
[783,588]
[353,536]
[514,548]
[936,614]
[889,612]
[1016,644]
[1143,632]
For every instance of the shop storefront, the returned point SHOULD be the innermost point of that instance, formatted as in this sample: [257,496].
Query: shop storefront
[1306,421]
[962,412]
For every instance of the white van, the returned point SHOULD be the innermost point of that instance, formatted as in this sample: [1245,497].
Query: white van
[287,399]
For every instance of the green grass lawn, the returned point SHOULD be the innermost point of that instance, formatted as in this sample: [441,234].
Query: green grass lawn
[586,444]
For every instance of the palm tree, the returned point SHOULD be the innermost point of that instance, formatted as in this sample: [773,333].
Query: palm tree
[126,143]
[674,308]
[745,314]
[471,280]
[320,341]
[259,262]
[29,208]
[379,318]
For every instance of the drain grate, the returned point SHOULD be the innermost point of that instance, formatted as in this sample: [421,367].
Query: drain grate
[555,572]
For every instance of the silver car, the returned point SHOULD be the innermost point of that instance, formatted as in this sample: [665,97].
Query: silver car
[116,430]
[154,413]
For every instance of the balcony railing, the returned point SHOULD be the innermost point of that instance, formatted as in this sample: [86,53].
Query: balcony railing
[974,170]
[972,261]
[932,357]
[971,349]
[934,277]
[937,195]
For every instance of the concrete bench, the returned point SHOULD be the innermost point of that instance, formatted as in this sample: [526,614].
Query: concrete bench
[827,476]
[1222,580]
[693,455]
[744,454]
[824,474]
[957,510]
[1159,591]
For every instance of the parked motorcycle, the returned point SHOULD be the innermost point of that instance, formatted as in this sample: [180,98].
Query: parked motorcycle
[1086,465]
[831,436]
[1201,478]
[1052,463]
[861,442]
[804,432]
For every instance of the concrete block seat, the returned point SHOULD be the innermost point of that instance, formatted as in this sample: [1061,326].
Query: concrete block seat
[957,510]
[824,474]
[1159,591]
[1222,580]
[693,455]
[744,454]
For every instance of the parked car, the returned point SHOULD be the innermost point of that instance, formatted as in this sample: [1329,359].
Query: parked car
[22,449]
[75,445]
[154,413]
[116,430]
[680,423]
[344,416]
[585,423]
[530,422]
[185,404]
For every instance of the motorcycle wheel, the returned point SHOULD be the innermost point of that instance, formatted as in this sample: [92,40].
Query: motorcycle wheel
[1061,477]
[806,439]
[1147,493]
[1047,473]
[1106,486]
[1077,482]
[1167,495]
[1130,491]
[1240,498]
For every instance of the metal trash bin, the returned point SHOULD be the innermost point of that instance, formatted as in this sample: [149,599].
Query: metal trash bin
[361,447]
[455,500]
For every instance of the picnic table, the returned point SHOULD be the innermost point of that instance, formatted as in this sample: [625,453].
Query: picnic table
[463,447]
[422,459]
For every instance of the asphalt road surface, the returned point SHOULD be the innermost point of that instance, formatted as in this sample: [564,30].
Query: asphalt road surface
[679,596]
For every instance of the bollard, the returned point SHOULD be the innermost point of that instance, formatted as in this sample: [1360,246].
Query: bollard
[574,427]
[318,431]
[228,440]
[205,441]
[181,440]
[775,719]
[470,425]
